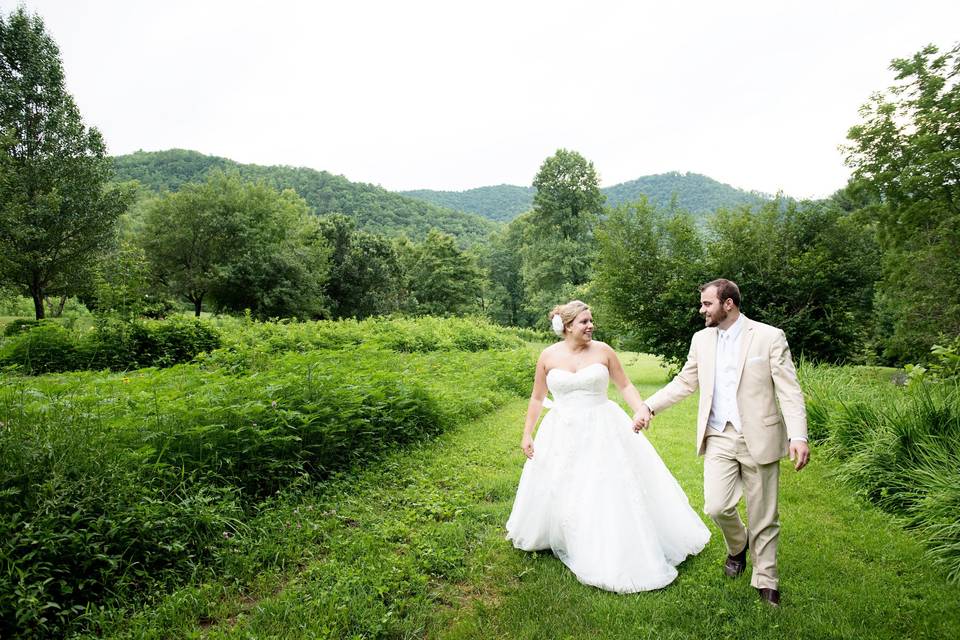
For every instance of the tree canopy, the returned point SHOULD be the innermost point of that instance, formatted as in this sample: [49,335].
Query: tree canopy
[56,213]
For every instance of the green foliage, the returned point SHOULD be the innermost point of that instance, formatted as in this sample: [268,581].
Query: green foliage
[55,211]
[568,197]
[366,277]
[245,245]
[501,203]
[691,192]
[112,344]
[114,487]
[896,448]
[907,150]
[806,268]
[442,279]
[647,276]
[372,208]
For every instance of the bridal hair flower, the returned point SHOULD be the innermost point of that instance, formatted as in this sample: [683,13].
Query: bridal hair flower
[557,323]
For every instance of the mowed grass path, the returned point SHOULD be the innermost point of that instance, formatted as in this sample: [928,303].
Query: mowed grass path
[414,547]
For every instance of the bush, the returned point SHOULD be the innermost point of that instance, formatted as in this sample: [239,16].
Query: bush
[113,344]
[43,348]
[20,325]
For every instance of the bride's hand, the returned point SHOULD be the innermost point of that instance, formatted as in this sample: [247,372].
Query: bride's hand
[527,446]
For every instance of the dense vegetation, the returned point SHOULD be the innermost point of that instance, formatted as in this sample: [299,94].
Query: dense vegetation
[689,192]
[371,207]
[501,203]
[114,486]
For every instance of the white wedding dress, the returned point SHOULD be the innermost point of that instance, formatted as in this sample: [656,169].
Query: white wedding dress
[598,495]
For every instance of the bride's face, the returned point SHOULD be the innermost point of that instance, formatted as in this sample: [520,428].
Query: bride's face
[582,327]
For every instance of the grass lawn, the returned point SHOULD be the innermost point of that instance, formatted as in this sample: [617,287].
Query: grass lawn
[413,547]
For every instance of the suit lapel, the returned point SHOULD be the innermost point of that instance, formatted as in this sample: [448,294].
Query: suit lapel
[745,337]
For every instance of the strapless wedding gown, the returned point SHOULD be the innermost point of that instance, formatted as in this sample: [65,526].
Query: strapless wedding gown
[598,495]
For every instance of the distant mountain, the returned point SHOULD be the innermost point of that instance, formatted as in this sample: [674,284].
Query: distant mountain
[374,208]
[695,193]
[501,203]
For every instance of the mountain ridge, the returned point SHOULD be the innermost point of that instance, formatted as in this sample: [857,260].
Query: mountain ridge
[373,208]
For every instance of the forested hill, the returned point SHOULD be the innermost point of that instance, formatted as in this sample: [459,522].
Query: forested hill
[695,193]
[374,208]
[501,203]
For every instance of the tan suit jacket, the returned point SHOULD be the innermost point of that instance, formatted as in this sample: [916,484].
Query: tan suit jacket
[766,378]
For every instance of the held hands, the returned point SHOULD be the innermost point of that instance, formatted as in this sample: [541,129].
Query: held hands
[642,418]
[527,446]
[799,453]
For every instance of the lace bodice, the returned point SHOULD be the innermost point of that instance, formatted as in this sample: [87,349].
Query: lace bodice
[585,387]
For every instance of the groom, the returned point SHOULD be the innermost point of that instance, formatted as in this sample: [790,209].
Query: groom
[751,415]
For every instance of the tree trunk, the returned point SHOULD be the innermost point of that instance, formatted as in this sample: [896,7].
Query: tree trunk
[56,309]
[197,305]
[37,302]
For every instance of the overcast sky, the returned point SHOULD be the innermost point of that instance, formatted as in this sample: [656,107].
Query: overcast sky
[455,94]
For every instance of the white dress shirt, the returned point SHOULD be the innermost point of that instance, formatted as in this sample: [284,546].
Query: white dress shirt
[724,408]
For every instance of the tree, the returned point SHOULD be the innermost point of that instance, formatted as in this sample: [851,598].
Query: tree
[907,149]
[56,212]
[443,279]
[807,268]
[568,197]
[558,242]
[366,278]
[649,267]
[245,245]
[502,266]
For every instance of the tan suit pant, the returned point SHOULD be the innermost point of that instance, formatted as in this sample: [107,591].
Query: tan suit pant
[729,472]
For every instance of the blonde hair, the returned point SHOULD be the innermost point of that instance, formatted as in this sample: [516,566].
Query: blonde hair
[568,312]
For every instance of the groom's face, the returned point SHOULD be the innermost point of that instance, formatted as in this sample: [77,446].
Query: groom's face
[710,308]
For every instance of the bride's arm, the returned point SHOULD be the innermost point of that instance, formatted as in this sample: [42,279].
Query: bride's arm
[534,407]
[626,388]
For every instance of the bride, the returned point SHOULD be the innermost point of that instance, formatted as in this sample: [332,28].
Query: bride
[593,491]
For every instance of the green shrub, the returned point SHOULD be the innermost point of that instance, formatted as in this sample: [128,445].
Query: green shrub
[19,325]
[112,344]
[43,348]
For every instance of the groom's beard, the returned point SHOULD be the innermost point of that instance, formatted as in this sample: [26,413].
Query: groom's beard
[716,317]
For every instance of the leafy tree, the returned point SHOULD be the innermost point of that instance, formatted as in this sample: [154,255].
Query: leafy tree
[568,197]
[443,279]
[558,244]
[245,245]
[907,148]
[649,267]
[807,268]
[56,213]
[502,266]
[366,277]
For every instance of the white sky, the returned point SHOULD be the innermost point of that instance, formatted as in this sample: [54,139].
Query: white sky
[452,95]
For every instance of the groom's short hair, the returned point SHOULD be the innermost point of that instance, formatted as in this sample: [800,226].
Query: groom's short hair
[725,289]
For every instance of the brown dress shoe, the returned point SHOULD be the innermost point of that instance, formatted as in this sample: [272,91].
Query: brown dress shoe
[735,565]
[770,596]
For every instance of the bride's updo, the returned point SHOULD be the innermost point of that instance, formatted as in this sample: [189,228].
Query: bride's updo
[566,313]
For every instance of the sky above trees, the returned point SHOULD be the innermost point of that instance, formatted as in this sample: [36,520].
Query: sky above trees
[451,95]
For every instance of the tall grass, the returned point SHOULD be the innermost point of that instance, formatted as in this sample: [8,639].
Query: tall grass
[898,447]
[113,487]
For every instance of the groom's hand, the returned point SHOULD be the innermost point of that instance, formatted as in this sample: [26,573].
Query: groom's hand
[799,453]
[641,419]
